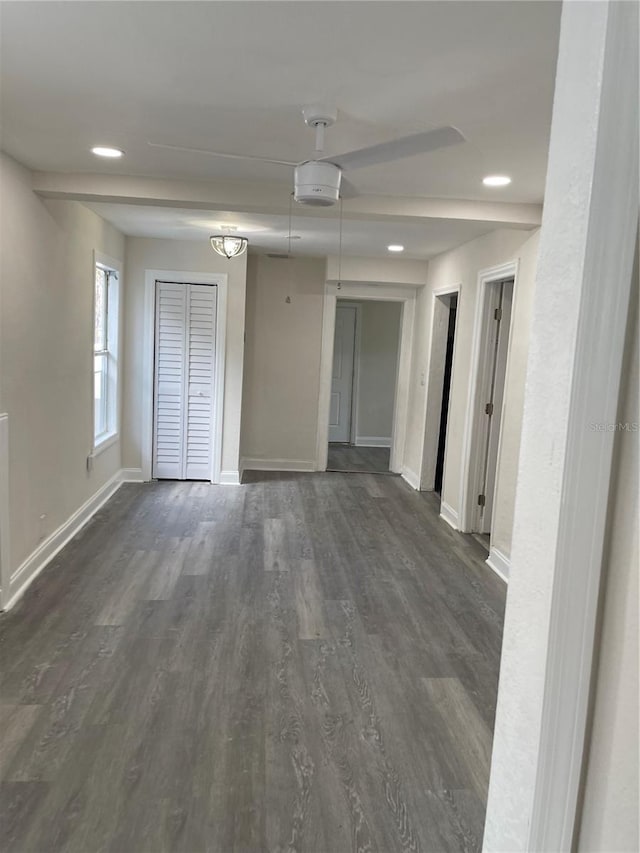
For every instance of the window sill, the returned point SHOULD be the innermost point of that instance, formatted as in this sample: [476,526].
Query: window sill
[105,443]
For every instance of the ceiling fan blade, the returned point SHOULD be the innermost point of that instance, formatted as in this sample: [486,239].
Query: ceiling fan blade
[347,189]
[397,149]
[221,154]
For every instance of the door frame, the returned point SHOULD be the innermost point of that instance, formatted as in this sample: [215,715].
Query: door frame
[376,293]
[219,280]
[500,365]
[435,385]
[471,469]
[355,388]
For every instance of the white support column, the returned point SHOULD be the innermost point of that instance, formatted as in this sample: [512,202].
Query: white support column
[580,309]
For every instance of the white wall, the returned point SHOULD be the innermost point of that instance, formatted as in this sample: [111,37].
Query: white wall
[378,270]
[377,368]
[181,256]
[461,267]
[282,361]
[46,364]
[610,800]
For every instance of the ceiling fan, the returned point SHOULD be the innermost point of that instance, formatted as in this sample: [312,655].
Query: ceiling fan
[319,181]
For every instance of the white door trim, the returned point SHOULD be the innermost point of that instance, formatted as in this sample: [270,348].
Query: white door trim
[434,389]
[469,474]
[220,280]
[379,293]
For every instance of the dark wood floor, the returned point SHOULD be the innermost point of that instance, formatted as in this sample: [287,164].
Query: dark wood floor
[308,662]
[372,460]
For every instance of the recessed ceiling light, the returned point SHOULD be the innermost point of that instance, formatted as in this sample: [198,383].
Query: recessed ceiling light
[395,247]
[496,181]
[105,151]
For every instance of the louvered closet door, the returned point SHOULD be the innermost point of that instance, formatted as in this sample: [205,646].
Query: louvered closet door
[184,378]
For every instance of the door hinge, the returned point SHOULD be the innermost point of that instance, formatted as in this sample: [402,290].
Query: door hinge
[481,500]
[497,314]
[488,409]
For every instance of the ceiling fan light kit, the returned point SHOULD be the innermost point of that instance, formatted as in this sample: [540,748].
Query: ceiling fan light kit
[228,245]
[317,183]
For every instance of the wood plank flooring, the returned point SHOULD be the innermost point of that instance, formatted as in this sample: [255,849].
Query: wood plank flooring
[369,460]
[308,662]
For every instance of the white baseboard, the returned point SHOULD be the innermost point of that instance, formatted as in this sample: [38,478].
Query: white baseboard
[252,464]
[229,478]
[373,441]
[448,514]
[55,542]
[500,564]
[411,478]
[132,475]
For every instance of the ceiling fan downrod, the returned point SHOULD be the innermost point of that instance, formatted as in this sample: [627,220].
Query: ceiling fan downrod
[319,118]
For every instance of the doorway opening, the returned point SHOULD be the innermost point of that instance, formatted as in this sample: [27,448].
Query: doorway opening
[446,389]
[439,380]
[363,386]
[405,297]
[493,348]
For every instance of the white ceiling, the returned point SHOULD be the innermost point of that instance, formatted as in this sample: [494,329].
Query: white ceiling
[233,76]
[316,236]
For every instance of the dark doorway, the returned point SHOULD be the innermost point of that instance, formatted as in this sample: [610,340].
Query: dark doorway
[444,411]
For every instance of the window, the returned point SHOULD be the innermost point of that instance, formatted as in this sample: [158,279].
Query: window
[105,354]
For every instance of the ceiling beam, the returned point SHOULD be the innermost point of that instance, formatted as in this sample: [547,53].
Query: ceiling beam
[273,199]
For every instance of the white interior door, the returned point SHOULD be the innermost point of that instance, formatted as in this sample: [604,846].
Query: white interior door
[496,399]
[342,375]
[184,381]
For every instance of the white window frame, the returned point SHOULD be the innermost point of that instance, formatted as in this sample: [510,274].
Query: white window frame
[112,384]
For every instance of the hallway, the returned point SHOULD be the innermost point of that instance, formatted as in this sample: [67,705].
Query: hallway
[348,458]
[308,662]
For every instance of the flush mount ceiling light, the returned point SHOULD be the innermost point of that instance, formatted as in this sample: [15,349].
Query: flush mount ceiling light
[105,151]
[496,181]
[395,247]
[228,245]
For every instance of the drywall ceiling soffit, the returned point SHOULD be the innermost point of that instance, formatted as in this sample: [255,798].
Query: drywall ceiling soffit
[261,198]
[185,210]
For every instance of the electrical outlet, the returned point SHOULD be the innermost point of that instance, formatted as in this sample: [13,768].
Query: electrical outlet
[423,378]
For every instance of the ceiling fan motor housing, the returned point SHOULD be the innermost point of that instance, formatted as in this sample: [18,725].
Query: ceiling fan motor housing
[317,183]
